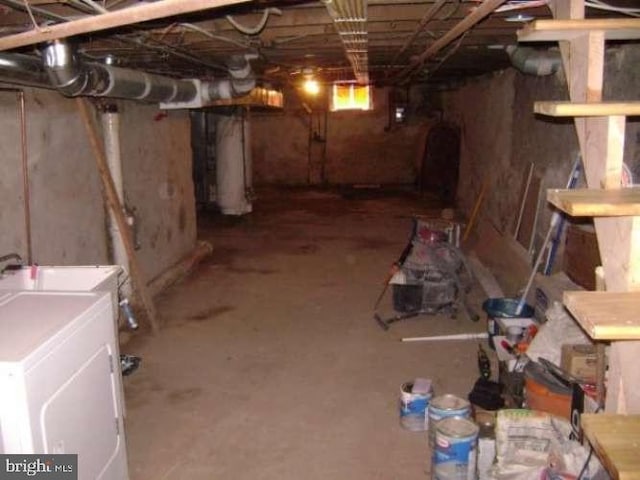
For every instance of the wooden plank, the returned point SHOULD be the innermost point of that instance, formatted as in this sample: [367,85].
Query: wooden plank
[606,315]
[116,18]
[111,199]
[602,109]
[596,203]
[476,15]
[615,440]
[552,30]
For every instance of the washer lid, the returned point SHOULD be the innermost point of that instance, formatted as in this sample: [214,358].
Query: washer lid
[29,319]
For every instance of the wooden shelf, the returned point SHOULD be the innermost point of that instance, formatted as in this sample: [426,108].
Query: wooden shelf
[606,315]
[603,109]
[553,30]
[596,203]
[616,441]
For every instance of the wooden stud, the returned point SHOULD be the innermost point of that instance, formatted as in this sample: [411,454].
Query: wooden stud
[111,199]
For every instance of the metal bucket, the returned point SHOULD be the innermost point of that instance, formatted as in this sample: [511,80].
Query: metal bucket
[455,453]
[445,406]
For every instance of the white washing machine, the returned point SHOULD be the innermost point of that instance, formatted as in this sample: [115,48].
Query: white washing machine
[60,381]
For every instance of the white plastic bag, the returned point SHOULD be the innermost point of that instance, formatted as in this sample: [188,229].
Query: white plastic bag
[559,329]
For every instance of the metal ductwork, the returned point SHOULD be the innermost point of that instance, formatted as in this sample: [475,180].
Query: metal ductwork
[533,61]
[350,20]
[74,78]
[61,69]
[23,70]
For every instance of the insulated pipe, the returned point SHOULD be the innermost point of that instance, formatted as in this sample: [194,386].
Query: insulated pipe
[111,134]
[534,61]
[242,80]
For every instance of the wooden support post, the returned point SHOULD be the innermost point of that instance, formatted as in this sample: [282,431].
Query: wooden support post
[112,201]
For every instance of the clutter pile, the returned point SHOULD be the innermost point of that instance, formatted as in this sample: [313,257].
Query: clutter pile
[519,423]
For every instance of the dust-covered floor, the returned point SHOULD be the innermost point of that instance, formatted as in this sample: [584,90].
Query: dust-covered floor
[269,364]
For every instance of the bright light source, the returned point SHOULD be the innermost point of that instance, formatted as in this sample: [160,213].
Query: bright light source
[520,17]
[311,86]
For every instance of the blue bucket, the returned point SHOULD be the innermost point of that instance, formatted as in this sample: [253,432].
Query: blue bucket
[503,308]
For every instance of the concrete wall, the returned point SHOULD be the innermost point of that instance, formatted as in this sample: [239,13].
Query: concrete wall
[502,136]
[359,148]
[68,216]
[156,156]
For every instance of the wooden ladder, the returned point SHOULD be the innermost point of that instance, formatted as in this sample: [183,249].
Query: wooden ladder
[613,315]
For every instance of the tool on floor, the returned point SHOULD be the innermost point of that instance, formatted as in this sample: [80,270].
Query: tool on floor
[440,338]
[430,277]
[555,220]
[395,268]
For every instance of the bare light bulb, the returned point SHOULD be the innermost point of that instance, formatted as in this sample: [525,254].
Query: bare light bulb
[312,87]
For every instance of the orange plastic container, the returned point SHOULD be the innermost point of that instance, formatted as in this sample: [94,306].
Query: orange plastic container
[540,397]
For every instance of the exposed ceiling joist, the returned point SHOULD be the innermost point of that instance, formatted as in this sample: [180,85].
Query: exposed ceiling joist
[116,18]
[482,11]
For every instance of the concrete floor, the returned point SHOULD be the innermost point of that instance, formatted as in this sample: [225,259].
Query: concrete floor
[269,365]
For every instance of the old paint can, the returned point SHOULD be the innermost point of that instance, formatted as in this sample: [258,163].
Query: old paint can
[414,407]
[445,406]
[455,452]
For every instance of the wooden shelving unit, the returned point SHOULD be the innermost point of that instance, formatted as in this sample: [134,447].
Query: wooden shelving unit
[616,441]
[603,109]
[606,315]
[613,315]
[596,203]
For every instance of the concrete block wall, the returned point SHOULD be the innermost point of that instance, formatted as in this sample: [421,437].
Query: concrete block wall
[67,211]
[359,149]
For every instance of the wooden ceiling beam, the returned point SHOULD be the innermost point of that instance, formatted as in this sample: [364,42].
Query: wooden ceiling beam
[117,18]
[482,11]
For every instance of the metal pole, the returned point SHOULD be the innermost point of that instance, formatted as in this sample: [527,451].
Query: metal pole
[22,118]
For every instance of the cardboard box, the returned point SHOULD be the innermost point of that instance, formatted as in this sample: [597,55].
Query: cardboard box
[580,361]
[581,255]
